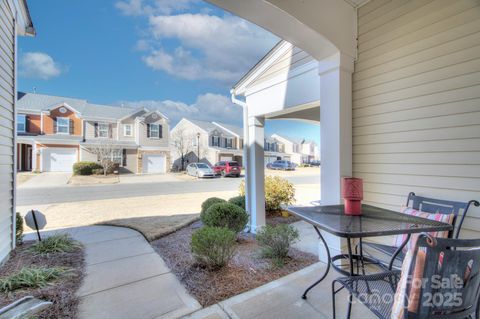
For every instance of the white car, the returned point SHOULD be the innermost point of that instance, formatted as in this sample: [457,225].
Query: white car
[200,170]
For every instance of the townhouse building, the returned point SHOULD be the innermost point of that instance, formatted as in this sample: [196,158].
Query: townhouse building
[54,132]
[300,151]
[207,142]
[215,141]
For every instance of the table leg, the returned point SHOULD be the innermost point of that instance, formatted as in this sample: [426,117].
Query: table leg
[399,249]
[350,255]
[361,257]
[304,296]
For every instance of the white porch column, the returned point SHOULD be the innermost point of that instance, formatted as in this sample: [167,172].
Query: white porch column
[246,154]
[336,133]
[256,172]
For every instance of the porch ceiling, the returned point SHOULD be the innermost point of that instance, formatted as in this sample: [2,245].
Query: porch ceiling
[309,113]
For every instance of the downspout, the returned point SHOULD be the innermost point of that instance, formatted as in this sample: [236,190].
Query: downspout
[245,152]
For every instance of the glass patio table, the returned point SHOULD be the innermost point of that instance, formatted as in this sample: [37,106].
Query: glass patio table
[373,222]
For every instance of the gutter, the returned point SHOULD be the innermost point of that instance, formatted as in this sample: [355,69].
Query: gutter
[245,151]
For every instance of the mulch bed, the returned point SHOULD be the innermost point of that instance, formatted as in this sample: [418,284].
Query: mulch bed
[277,218]
[62,292]
[247,269]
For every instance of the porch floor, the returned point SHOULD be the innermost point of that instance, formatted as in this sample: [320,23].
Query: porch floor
[282,299]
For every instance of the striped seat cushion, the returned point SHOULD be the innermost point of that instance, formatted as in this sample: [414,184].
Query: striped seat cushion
[445,218]
[401,301]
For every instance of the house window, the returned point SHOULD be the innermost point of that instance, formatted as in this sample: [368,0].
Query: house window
[103,129]
[194,141]
[154,131]
[127,130]
[216,141]
[21,123]
[228,143]
[63,125]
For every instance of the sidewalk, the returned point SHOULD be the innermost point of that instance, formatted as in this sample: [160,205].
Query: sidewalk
[126,278]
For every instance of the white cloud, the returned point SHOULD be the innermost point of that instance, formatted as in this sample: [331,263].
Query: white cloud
[210,47]
[141,7]
[38,65]
[207,107]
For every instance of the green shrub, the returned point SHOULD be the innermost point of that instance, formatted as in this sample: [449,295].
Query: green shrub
[30,277]
[278,192]
[225,215]
[58,243]
[276,240]
[85,168]
[209,202]
[212,246]
[19,227]
[238,200]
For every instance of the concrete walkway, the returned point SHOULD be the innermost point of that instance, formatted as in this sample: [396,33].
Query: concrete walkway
[126,278]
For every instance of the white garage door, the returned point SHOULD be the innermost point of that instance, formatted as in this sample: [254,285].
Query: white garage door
[59,159]
[154,164]
[226,158]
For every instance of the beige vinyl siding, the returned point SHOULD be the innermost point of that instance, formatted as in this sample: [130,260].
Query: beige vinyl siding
[291,59]
[7,101]
[90,130]
[416,102]
[153,142]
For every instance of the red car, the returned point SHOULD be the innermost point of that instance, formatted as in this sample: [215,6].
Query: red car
[226,168]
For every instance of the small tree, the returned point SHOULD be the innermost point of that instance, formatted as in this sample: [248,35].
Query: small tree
[182,143]
[105,151]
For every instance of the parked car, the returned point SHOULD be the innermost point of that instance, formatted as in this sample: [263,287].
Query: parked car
[315,163]
[200,170]
[282,165]
[227,168]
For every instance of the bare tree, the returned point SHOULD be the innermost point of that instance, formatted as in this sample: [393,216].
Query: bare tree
[182,143]
[105,151]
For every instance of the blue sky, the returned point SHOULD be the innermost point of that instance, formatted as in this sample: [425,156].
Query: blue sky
[181,56]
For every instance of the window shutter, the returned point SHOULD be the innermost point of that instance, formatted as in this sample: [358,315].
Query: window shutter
[110,130]
[70,122]
[160,133]
[96,129]
[213,143]
[124,157]
[148,130]
[226,142]
[27,123]
[55,129]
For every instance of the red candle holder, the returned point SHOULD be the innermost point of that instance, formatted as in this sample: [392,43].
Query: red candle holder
[352,193]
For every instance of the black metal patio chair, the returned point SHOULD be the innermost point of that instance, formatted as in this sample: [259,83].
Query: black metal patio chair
[429,205]
[444,259]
